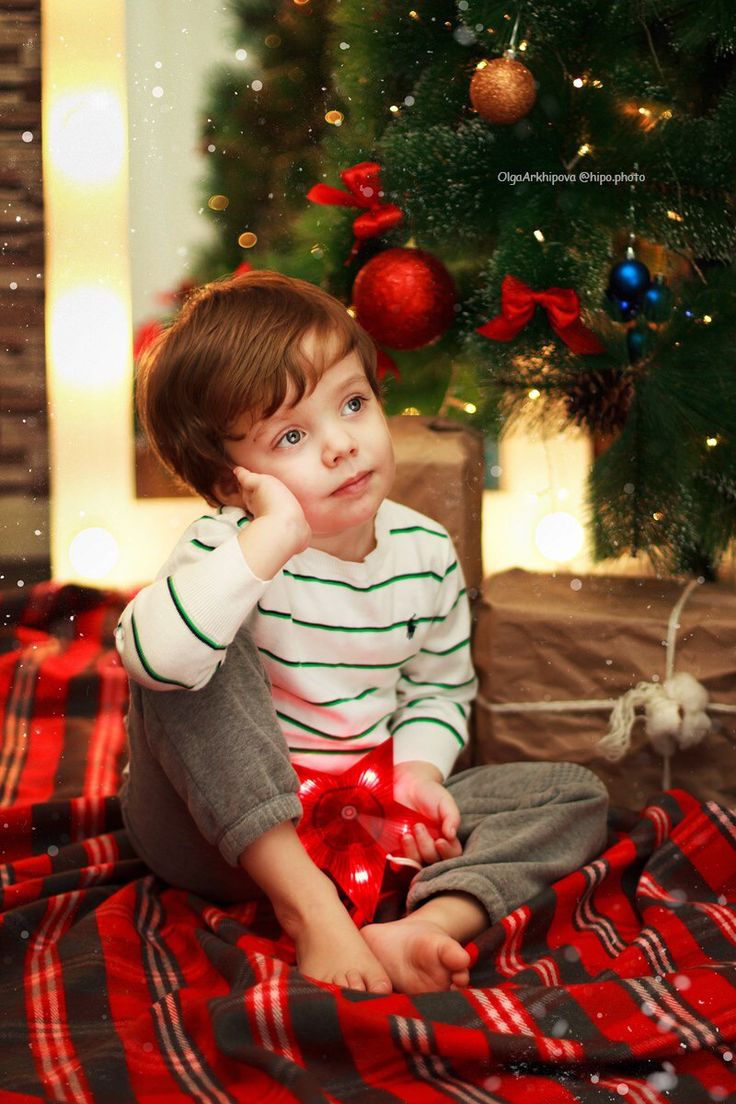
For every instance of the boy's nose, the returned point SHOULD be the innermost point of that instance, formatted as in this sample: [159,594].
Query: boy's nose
[339,445]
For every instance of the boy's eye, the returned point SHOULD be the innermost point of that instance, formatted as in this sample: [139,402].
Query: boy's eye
[291,437]
[355,404]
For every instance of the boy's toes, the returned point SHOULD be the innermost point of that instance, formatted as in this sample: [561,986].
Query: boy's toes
[453,956]
[356,979]
[379,985]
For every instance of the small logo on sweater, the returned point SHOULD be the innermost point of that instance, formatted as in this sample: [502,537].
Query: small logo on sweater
[411,626]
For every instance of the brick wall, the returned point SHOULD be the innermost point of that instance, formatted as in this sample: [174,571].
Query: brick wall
[24,478]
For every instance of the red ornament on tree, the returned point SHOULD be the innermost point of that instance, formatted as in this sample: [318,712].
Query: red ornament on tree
[404,298]
[351,824]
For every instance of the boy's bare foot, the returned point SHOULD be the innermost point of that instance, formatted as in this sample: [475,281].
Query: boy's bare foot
[330,948]
[328,945]
[419,955]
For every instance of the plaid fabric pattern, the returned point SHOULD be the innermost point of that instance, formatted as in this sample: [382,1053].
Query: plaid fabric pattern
[617,984]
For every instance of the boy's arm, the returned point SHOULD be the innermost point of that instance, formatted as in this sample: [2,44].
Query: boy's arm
[175,633]
[437,686]
[430,725]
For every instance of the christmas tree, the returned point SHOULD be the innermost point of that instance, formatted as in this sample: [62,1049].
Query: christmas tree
[531,209]
[261,133]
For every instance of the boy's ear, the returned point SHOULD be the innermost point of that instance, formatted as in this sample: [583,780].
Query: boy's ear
[227,489]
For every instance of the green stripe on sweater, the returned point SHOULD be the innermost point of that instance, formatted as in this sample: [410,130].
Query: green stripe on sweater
[328,735]
[356,666]
[341,701]
[438,618]
[447,651]
[462,710]
[146,665]
[441,685]
[343,628]
[333,751]
[188,621]
[374,586]
[430,720]
[417,529]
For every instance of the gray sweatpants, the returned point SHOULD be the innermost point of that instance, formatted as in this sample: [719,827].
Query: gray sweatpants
[210,773]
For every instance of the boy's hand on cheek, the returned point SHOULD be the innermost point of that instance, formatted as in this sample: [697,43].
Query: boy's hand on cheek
[279,529]
[419,786]
[267,496]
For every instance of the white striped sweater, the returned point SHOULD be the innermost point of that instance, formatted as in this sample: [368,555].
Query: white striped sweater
[356,652]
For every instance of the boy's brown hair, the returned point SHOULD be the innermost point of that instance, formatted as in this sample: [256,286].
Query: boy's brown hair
[234,349]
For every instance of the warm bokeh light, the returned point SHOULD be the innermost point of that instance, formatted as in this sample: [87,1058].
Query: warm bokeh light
[90,337]
[87,137]
[93,553]
[559,536]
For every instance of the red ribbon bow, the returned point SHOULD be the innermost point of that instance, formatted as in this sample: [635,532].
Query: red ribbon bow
[562,305]
[364,190]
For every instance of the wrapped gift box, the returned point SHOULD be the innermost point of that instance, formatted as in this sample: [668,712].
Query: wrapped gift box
[439,471]
[558,638]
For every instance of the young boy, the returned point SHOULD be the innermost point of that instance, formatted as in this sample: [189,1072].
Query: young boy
[314,619]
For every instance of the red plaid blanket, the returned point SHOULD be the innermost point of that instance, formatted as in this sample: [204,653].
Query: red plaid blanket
[617,984]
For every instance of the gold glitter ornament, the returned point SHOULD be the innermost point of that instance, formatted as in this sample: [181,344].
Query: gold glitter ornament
[503,90]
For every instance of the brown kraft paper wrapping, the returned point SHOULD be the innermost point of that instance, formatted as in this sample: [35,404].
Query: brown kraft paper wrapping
[538,639]
[439,471]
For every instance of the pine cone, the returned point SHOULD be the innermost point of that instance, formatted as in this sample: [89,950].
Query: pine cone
[599,401]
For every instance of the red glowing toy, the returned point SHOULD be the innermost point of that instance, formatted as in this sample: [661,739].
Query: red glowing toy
[351,824]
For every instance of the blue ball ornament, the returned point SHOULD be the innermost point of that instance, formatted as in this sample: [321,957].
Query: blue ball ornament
[620,310]
[629,279]
[658,301]
[639,341]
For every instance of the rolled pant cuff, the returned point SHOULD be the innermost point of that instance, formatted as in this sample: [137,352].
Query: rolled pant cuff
[459,881]
[256,822]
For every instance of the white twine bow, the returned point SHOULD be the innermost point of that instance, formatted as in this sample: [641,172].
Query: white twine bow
[675,711]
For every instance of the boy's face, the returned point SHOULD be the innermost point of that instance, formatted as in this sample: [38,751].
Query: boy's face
[333,451]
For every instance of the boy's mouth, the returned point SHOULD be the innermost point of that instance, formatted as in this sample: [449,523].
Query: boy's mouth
[355,484]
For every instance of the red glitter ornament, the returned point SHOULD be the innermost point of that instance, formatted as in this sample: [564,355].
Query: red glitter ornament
[404,298]
[351,824]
